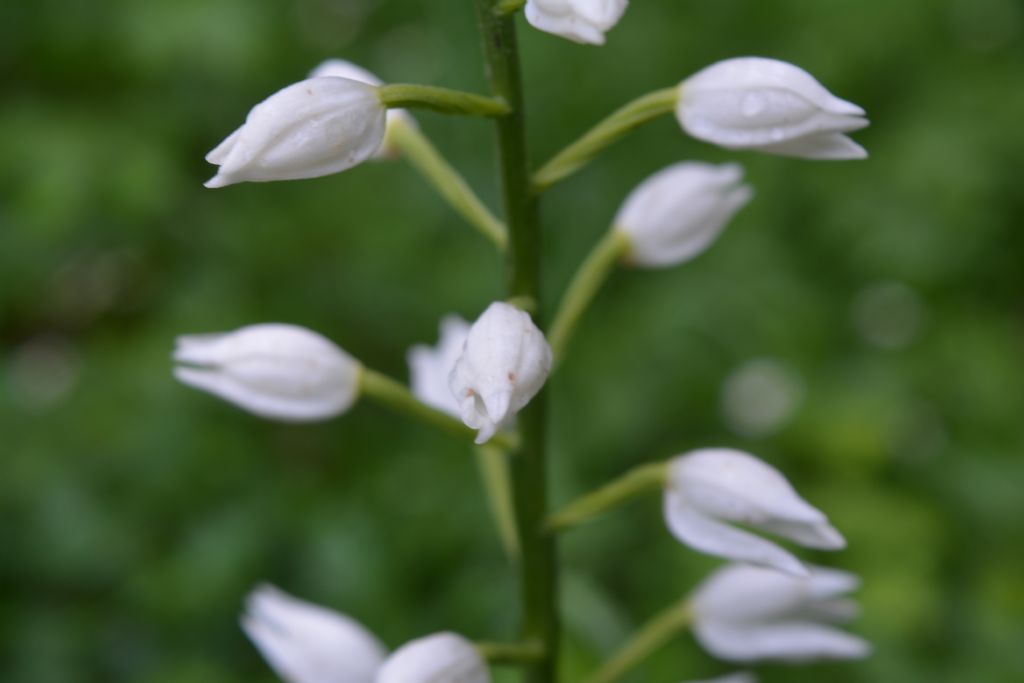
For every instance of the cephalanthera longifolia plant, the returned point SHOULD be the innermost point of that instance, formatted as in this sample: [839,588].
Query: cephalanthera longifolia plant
[485,381]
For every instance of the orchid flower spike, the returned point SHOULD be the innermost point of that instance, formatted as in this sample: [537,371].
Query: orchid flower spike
[709,488]
[339,68]
[770,106]
[277,371]
[437,658]
[746,613]
[430,366]
[306,643]
[581,21]
[677,213]
[312,128]
[504,363]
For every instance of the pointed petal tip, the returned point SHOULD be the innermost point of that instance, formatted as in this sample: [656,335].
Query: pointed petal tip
[217,181]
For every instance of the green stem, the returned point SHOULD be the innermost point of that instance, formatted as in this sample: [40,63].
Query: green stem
[538,563]
[651,636]
[584,286]
[444,100]
[418,150]
[397,396]
[494,471]
[578,154]
[511,653]
[636,482]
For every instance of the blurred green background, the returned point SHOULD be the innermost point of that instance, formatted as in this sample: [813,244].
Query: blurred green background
[859,325]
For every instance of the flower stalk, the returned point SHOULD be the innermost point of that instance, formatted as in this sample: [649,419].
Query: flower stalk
[604,134]
[526,652]
[448,182]
[637,482]
[397,396]
[444,100]
[585,284]
[537,566]
[647,640]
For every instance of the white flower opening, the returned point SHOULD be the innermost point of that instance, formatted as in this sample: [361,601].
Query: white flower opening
[770,106]
[709,489]
[746,613]
[277,371]
[312,128]
[504,363]
[307,643]
[438,658]
[677,213]
[581,21]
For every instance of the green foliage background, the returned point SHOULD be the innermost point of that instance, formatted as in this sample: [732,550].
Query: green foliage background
[135,513]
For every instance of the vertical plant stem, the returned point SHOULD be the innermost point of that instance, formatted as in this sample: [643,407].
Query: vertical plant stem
[538,574]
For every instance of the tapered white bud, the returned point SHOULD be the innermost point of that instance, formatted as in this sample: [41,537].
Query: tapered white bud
[503,365]
[277,371]
[306,643]
[707,489]
[770,106]
[438,658]
[431,366]
[311,128]
[678,212]
[339,68]
[746,613]
[581,21]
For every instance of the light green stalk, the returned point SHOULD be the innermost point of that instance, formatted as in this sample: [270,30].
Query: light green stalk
[642,644]
[578,154]
[494,472]
[444,100]
[638,481]
[418,150]
[585,284]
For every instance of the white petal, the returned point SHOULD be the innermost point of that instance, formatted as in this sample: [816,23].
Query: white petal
[717,538]
[738,487]
[339,68]
[430,367]
[438,658]
[306,643]
[825,146]
[787,641]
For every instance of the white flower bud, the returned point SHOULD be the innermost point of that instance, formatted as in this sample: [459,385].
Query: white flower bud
[581,21]
[770,106]
[311,128]
[277,371]
[431,366]
[339,68]
[746,613]
[306,643]
[438,658]
[677,213]
[709,488]
[503,365]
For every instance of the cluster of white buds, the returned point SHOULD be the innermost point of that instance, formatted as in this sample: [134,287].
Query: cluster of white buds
[307,643]
[581,21]
[769,106]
